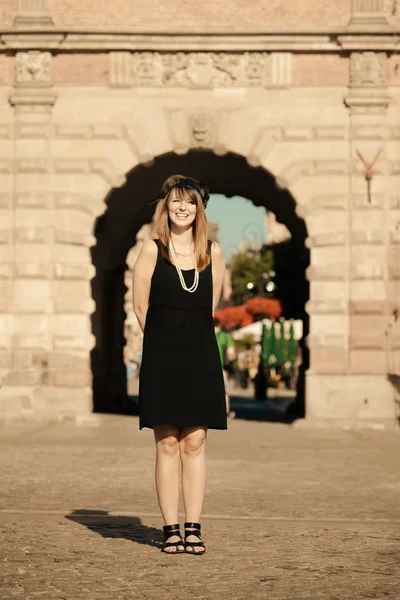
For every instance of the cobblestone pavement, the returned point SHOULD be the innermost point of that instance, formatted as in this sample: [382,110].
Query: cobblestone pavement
[290,514]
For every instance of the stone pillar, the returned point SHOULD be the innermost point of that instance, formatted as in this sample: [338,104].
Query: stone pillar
[358,391]
[34,13]
[49,342]
[369,15]
[370,308]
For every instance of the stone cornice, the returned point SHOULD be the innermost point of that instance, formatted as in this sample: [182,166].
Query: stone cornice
[13,40]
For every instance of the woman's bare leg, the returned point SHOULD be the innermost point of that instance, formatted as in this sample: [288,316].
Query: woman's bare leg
[167,475]
[193,458]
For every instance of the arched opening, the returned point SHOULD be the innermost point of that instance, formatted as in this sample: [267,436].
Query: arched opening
[129,208]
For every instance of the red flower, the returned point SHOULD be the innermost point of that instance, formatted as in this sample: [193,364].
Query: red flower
[263,307]
[233,317]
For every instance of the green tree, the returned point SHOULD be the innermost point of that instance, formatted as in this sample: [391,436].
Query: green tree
[249,266]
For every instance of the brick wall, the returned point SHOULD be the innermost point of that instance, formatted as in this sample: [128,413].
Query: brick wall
[394,69]
[320,69]
[308,69]
[81,69]
[6,69]
[200,15]
[8,11]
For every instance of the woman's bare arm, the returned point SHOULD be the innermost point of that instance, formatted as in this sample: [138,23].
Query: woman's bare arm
[218,272]
[142,274]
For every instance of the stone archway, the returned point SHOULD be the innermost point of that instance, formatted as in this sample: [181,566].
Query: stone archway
[150,96]
[131,206]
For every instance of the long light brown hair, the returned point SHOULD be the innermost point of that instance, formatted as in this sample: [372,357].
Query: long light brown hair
[199,225]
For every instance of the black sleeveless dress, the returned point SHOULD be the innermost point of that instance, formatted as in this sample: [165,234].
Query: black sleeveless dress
[181,381]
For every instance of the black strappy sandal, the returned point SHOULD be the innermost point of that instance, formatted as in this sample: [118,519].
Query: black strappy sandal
[169,531]
[196,527]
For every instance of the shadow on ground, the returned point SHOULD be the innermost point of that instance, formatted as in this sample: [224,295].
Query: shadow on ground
[108,526]
[274,410]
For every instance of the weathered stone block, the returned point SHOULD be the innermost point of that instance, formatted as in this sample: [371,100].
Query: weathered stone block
[74,271]
[329,331]
[329,306]
[38,341]
[367,236]
[21,359]
[394,291]
[364,202]
[62,401]
[368,227]
[327,291]
[368,361]
[31,296]
[30,324]
[70,289]
[6,288]
[338,238]
[368,262]
[394,227]
[69,361]
[369,307]
[5,199]
[73,342]
[350,399]
[6,271]
[71,254]
[368,331]
[328,201]
[33,270]
[32,253]
[361,290]
[69,324]
[329,359]
[74,305]
[33,234]
[74,379]
[16,401]
[5,361]
[36,199]
[393,262]
[329,264]
[26,304]
[26,377]
[67,237]
[86,203]
[6,328]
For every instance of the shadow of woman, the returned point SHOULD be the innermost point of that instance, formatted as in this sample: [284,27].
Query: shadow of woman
[128,528]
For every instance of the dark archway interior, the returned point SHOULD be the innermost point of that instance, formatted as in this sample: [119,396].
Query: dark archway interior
[133,205]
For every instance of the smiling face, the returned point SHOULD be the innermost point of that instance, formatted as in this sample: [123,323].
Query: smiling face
[182,208]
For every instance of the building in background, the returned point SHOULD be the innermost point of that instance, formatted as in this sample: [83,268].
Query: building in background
[276,232]
[287,103]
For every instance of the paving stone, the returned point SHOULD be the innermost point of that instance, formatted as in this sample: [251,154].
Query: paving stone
[289,515]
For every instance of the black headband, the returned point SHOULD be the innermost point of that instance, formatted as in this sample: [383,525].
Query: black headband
[188,184]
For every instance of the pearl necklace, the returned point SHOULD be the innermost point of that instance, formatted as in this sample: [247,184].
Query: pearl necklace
[193,287]
[185,253]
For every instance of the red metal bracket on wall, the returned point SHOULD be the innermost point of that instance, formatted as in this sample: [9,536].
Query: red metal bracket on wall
[369,173]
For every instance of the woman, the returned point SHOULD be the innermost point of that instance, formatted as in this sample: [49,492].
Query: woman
[177,282]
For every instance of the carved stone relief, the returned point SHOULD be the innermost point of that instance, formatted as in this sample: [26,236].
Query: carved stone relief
[192,69]
[373,14]
[34,12]
[369,6]
[33,68]
[201,129]
[368,68]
